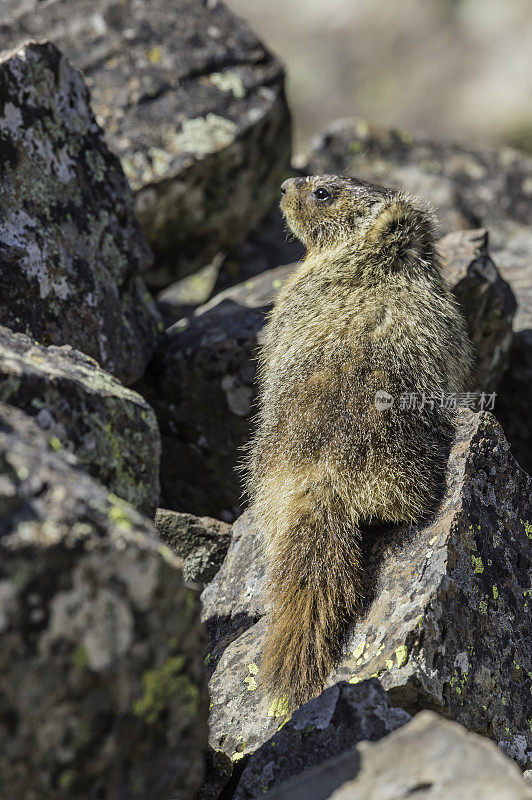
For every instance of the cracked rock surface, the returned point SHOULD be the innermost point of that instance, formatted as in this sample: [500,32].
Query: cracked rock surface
[192,104]
[71,251]
[446,619]
[103,689]
[111,429]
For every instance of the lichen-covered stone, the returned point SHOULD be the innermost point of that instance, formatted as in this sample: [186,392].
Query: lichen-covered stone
[192,104]
[321,729]
[428,758]
[446,617]
[111,429]
[200,542]
[71,250]
[202,379]
[103,691]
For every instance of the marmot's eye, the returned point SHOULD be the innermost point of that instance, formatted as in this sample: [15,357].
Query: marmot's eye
[321,194]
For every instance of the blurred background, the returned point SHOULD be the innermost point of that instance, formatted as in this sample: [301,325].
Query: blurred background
[459,69]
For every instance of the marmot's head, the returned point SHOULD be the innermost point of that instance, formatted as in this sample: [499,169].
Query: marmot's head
[323,210]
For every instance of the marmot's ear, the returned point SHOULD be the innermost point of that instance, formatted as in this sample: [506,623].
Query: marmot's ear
[402,230]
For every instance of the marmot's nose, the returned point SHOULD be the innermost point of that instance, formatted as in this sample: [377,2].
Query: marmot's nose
[291,183]
[285,185]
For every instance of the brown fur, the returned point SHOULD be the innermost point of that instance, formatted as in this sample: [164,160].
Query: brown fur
[366,311]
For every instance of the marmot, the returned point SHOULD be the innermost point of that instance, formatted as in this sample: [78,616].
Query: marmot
[364,325]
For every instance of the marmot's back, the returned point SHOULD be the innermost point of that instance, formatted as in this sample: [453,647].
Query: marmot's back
[360,334]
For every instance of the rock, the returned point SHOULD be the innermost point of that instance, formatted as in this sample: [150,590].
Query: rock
[445,623]
[469,187]
[319,782]
[428,757]
[218,772]
[103,691]
[270,245]
[200,384]
[181,298]
[202,379]
[487,301]
[111,429]
[232,602]
[192,104]
[514,399]
[200,542]
[71,250]
[325,727]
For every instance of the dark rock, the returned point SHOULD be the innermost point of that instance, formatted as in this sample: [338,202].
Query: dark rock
[514,399]
[319,782]
[111,429]
[445,624]
[487,301]
[200,542]
[218,773]
[192,104]
[71,250]
[324,727]
[233,600]
[429,757]
[202,380]
[200,384]
[103,689]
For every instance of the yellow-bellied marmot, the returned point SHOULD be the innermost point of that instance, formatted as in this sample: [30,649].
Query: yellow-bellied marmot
[364,329]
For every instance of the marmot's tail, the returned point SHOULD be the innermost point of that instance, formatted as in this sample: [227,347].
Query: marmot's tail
[313,595]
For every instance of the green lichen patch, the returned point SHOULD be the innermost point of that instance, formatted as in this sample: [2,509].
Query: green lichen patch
[161,686]
[279,707]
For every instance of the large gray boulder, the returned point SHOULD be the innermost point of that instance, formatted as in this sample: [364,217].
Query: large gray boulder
[323,728]
[201,382]
[103,690]
[429,758]
[71,250]
[111,429]
[446,617]
[190,101]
